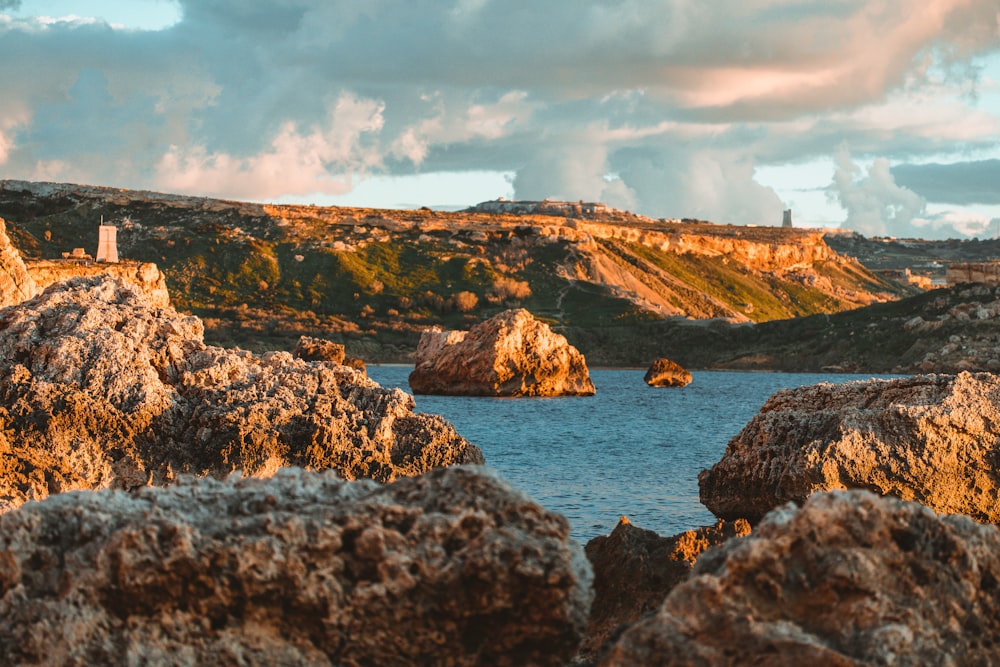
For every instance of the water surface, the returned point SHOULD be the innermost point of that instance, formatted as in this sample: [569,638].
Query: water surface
[629,450]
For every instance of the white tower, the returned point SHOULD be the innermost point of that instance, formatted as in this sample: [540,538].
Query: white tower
[107,244]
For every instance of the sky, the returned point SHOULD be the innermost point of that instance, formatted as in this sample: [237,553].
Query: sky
[881,116]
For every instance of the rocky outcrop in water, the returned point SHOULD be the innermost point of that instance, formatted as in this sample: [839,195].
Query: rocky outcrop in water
[510,354]
[100,389]
[928,438]
[15,283]
[635,569]
[666,373]
[849,579]
[450,568]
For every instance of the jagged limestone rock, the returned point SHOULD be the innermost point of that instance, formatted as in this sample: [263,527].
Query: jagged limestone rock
[15,283]
[928,438]
[451,568]
[100,389]
[849,579]
[635,569]
[510,354]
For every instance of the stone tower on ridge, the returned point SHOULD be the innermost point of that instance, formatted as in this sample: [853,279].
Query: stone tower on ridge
[107,243]
[786,220]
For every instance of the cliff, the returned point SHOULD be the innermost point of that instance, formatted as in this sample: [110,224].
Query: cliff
[262,276]
[16,284]
[146,276]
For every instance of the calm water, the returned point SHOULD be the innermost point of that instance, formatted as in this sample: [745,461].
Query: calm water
[630,450]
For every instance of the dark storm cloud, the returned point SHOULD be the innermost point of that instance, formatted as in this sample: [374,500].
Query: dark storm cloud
[961,183]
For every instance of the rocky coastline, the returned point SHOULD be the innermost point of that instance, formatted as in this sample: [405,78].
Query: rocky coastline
[168,502]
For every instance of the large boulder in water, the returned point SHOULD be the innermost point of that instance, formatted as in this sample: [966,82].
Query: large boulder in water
[15,283]
[100,389]
[849,579]
[934,439]
[510,354]
[666,373]
[450,568]
[635,569]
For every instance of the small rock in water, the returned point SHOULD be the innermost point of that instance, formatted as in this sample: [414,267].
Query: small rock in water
[667,373]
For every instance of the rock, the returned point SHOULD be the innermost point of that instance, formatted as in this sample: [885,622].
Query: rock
[635,569]
[928,438]
[451,568]
[144,275]
[317,349]
[99,389]
[849,579]
[357,364]
[667,373]
[15,283]
[510,354]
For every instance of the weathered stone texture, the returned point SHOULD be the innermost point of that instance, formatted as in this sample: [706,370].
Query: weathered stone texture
[510,354]
[635,569]
[850,579]
[928,438]
[144,275]
[99,389]
[317,349]
[450,568]
[15,283]
[666,373]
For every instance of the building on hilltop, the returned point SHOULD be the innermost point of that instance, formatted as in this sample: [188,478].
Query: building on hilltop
[543,207]
[107,243]
[786,220]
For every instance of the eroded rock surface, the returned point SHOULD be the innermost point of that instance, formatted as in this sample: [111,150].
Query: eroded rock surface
[15,283]
[144,275]
[99,389]
[510,354]
[928,438]
[450,568]
[635,569]
[666,373]
[317,349]
[849,579]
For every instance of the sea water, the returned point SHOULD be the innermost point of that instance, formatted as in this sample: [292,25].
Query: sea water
[631,450]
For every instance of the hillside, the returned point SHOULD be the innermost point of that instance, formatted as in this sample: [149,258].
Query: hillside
[261,275]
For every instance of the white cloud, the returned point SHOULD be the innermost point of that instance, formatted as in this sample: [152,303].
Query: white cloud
[681,101]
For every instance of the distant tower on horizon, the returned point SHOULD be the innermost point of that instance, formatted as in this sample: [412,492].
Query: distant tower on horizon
[786,220]
[107,243]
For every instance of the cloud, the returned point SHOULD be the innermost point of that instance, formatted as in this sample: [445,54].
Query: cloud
[662,106]
[961,183]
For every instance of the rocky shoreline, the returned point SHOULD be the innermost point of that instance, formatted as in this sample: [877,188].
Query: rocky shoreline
[168,502]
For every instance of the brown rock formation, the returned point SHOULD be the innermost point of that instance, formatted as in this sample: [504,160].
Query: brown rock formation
[99,389]
[15,283]
[511,354]
[144,275]
[635,569]
[850,579]
[928,438]
[667,373]
[317,349]
[450,568]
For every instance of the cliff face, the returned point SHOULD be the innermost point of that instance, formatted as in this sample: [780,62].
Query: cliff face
[255,271]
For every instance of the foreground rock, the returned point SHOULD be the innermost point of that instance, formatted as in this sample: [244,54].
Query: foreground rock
[451,568]
[667,373]
[15,283]
[510,354]
[930,438]
[99,389]
[850,579]
[635,569]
